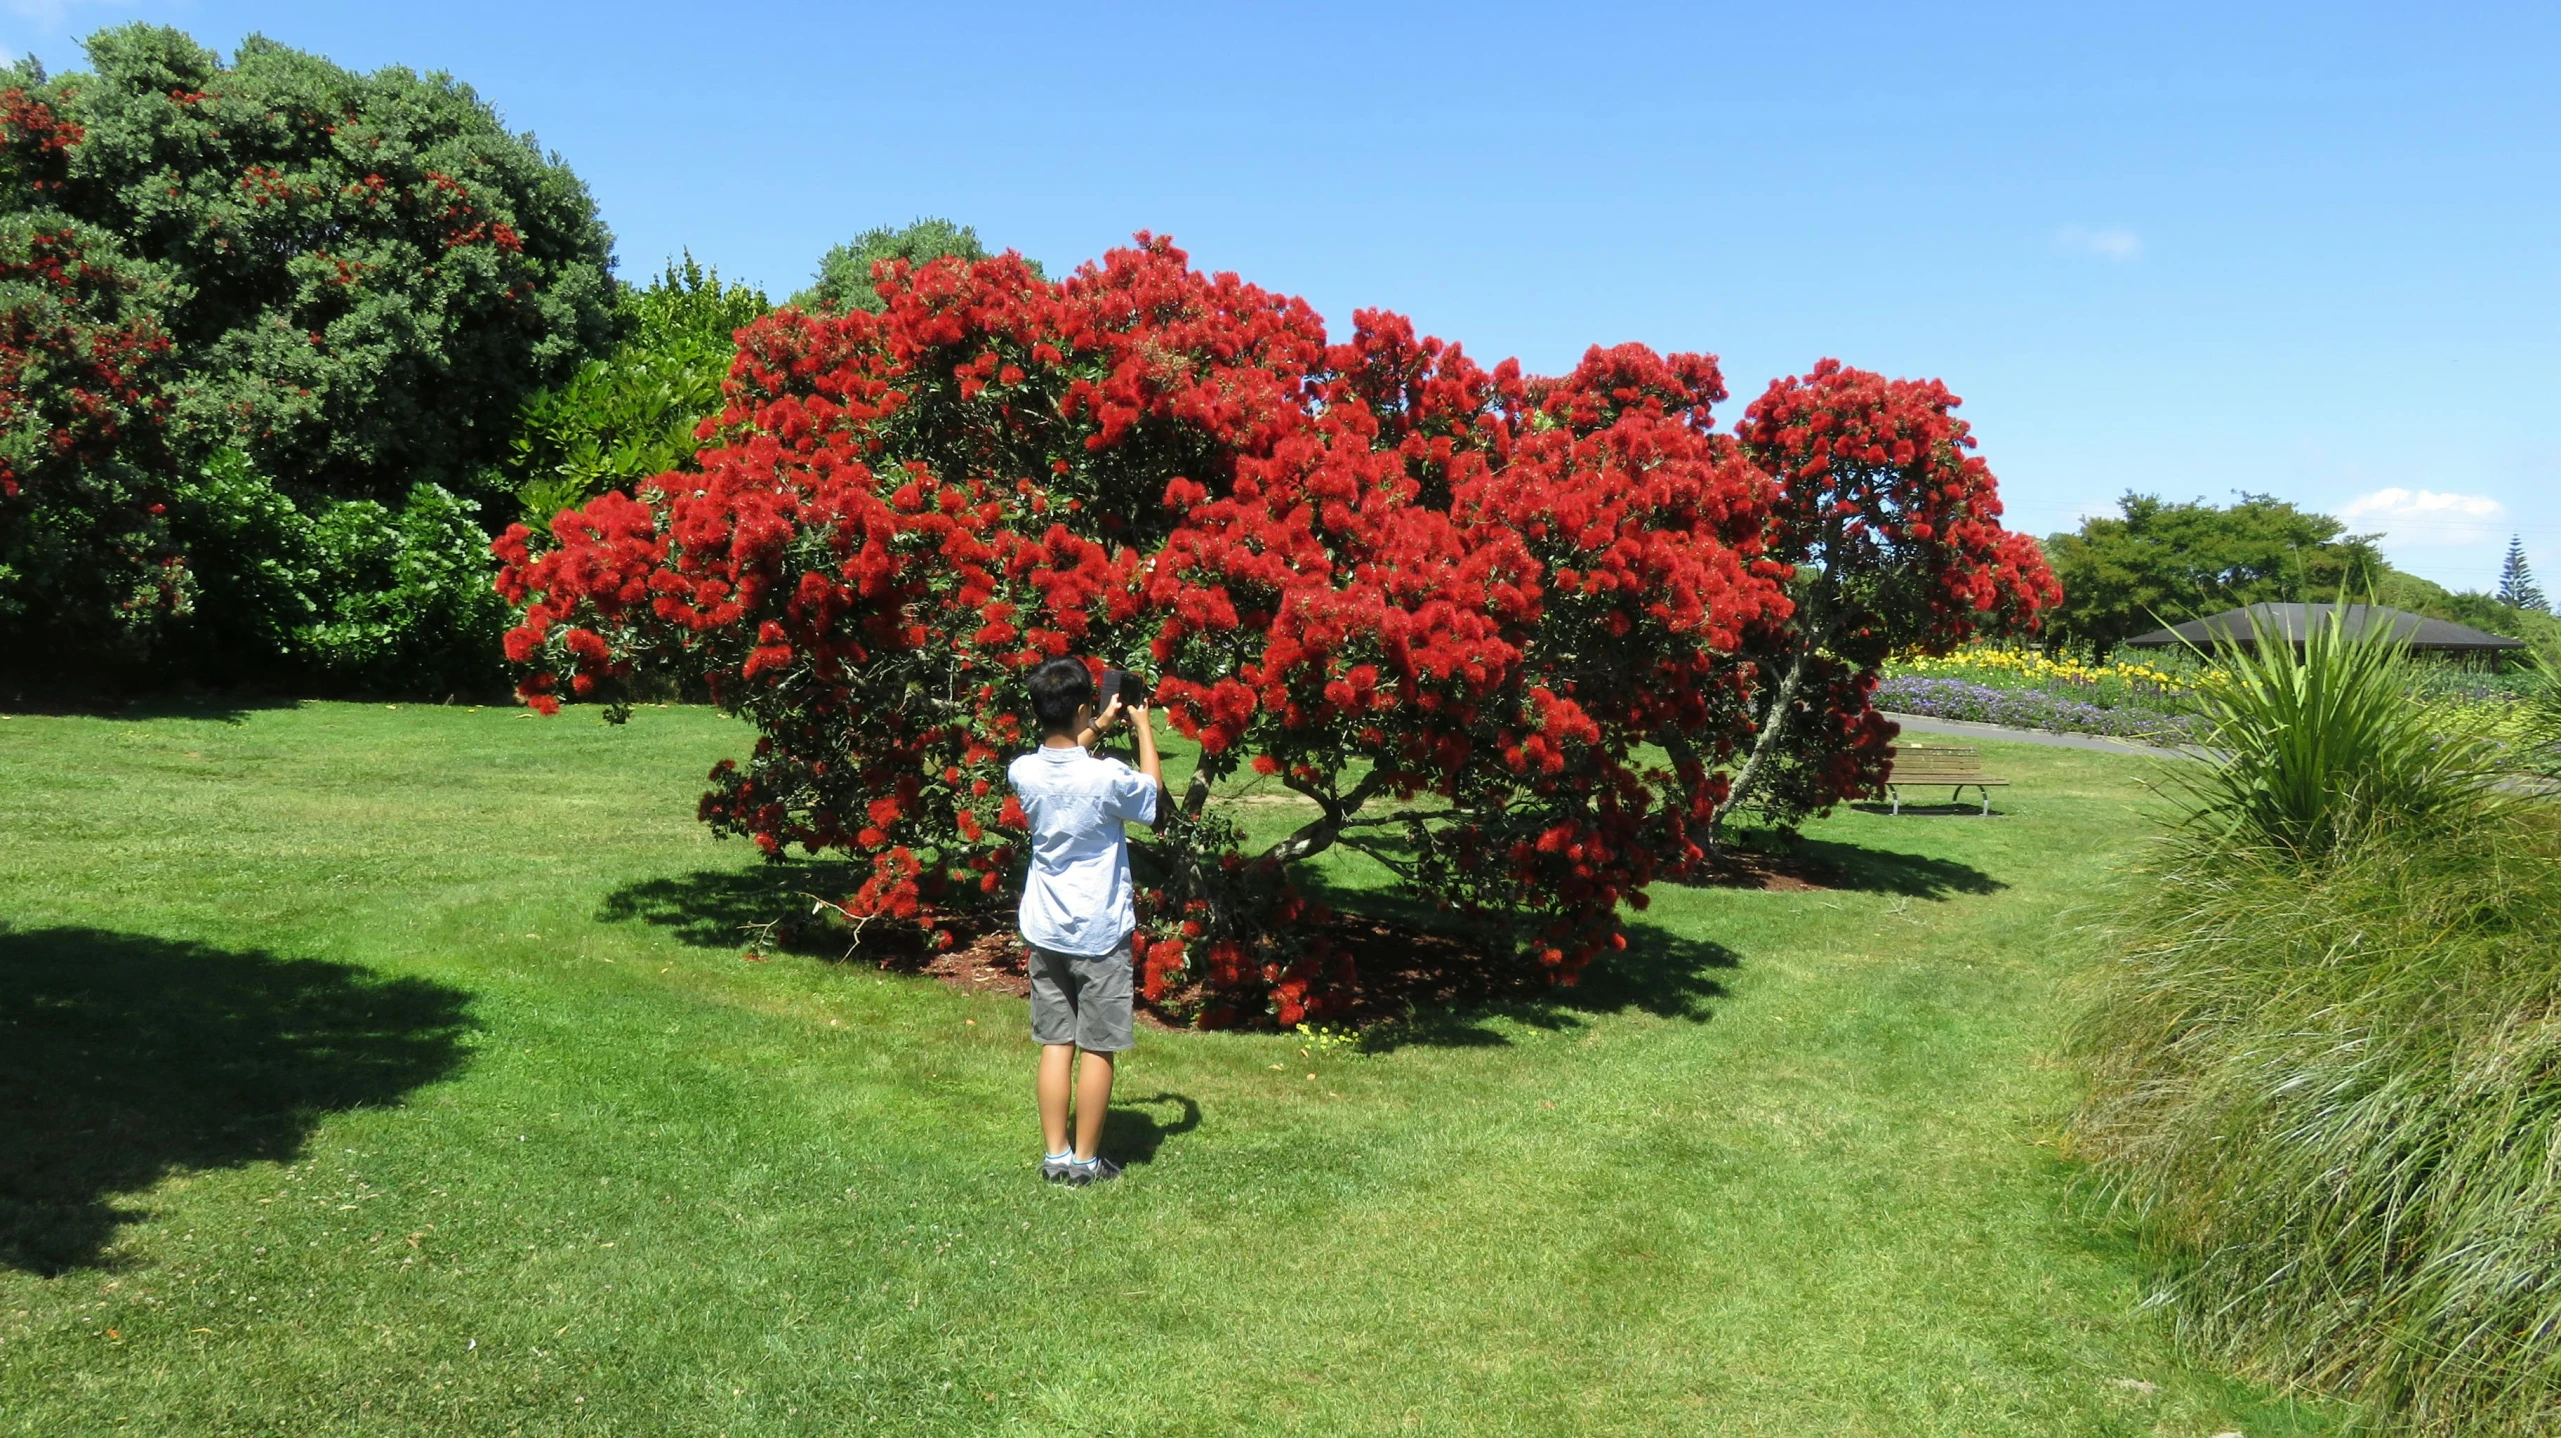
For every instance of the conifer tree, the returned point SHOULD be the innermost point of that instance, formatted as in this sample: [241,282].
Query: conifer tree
[2516,580]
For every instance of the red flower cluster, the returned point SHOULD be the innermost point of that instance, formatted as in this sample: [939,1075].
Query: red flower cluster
[1465,613]
[1875,475]
[35,141]
[68,384]
[83,494]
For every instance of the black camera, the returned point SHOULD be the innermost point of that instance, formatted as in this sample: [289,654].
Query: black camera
[1131,689]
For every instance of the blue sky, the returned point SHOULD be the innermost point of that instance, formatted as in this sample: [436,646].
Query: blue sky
[2304,250]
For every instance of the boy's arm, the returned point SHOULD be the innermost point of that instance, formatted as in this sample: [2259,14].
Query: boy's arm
[1092,734]
[1150,767]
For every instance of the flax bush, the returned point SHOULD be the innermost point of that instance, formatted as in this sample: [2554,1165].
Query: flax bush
[2321,742]
[2324,1052]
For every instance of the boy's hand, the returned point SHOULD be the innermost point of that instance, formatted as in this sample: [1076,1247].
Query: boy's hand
[1111,711]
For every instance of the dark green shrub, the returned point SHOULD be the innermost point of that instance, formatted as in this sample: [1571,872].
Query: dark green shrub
[267,326]
[352,597]
[254,575]
[2317,744]
[406,598]
[631,414]
[369,273]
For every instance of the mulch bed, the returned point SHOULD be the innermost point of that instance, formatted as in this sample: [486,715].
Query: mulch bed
[1401,968]
[1754,869]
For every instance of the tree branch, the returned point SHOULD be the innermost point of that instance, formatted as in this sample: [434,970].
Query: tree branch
[1320,833]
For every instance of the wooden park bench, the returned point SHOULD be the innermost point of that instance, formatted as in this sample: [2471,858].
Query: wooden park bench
[1928,766]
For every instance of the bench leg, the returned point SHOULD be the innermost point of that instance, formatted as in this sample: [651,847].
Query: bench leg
[1895,796]
[1986,791]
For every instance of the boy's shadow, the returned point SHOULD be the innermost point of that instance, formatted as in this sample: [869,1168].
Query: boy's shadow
[1132,1135]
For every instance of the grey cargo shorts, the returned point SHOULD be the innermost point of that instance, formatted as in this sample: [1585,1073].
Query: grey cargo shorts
[1082,999]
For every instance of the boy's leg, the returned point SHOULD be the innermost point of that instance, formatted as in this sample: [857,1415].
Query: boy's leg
[1049,1085]
[1054,1029]
[1093,1101]
[1102,1031]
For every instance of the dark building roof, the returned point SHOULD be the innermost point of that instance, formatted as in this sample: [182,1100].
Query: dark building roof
[2233,627]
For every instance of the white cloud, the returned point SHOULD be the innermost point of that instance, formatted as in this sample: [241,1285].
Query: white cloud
[2427,516]
[2108,242]
[52,13]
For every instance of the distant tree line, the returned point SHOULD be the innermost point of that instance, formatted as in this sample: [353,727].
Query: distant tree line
[2156,562]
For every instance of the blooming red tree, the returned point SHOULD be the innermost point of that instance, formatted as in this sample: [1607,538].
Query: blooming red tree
[1504,634]
[1893,531]
[1449,606]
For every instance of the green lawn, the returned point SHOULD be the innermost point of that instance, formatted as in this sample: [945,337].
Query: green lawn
[370,1071]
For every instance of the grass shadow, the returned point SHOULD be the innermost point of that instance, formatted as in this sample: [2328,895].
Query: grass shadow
[1424,984]
[765,906]
[1891,871]
[1132,1135]
[124,1057]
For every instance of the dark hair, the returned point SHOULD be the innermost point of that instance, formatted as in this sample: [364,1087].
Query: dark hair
[1060,688]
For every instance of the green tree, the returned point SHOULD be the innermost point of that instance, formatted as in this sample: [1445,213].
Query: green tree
[631,413]
[369,273]
[844,273]
[2481,611]
[2158,563]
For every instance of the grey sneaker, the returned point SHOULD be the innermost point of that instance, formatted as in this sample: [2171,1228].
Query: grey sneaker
[1097,1169]
[1057,1170]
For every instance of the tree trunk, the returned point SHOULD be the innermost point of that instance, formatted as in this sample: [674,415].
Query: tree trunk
[1318,834]
[1773,728]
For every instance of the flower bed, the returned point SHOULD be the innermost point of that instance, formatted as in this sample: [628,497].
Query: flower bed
[2143,700]
[2039,708]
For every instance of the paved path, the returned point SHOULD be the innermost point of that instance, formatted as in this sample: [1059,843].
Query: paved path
[1924,724]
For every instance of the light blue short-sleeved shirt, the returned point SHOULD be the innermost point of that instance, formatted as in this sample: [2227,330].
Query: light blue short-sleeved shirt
[1077,899]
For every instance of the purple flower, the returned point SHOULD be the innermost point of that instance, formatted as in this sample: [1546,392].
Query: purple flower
[2027,709]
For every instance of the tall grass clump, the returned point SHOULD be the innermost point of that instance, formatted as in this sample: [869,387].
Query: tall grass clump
[2324,1052]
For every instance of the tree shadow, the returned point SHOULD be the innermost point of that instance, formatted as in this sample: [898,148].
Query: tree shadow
[1891,871]
[1788,861]
[76,704]
[1659,973]
[1423,983]
[765,906]
[1131,1134]
[1420,983]
[124,1057]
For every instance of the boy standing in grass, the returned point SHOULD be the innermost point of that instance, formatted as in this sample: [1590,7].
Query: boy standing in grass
[1078,911]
